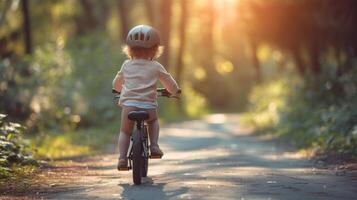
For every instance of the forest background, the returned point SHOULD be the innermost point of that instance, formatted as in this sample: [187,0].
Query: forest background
[289,66]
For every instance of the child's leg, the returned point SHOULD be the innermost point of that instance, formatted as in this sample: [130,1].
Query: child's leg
[123,143]
[153,124]
[154,130]
[126,128]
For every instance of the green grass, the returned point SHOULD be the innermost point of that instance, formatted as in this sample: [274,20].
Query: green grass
[89,141]
[75,143]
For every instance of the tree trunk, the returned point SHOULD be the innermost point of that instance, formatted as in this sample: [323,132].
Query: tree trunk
[103,16]
[4,11]
[315,58]
[165,27]
[151,12]
[298,61]
[179,63]
[89,17]
[206,38]
[122,6]
[255,61]
[26,27]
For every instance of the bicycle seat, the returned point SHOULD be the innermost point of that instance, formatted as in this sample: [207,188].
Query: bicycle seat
[138,115]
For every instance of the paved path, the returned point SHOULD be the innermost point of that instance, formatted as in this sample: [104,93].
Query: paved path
[212,158]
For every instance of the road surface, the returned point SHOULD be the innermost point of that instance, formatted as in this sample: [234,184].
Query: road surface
[211,158]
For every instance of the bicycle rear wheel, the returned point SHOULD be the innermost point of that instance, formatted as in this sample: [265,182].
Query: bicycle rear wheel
[137,157]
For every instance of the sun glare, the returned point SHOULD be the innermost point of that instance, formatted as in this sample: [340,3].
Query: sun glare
[226,11]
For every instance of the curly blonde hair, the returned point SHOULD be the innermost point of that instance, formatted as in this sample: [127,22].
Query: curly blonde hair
[141,52]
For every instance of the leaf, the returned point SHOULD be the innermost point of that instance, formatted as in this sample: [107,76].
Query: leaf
[2,116]
[9,136]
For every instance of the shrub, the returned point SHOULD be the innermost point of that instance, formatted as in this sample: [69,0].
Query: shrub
[13,149]
[320,112]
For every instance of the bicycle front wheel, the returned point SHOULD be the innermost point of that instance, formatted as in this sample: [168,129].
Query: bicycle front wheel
[144,166]
[137,157]
[145,158]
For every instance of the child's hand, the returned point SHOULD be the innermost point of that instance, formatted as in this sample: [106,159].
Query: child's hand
[177,95]
[114,91]
[165,93]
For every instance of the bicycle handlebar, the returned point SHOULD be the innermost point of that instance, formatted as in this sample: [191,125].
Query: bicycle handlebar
[163,92]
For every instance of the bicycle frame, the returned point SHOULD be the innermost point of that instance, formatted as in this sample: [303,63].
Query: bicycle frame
[143,131]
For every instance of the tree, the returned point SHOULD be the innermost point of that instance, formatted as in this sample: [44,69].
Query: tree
[298,60]
[122,7]
[4,11]
[307,27]
[183,24]
[165,27]
[255,61]
[87,21]
[26,27]
[213,85]
[151,12]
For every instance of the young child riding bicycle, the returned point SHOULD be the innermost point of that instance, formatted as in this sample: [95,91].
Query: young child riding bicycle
[137,81]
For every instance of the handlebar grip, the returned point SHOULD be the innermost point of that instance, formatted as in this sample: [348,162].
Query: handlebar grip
[166,93]
[114,91]
[161,90]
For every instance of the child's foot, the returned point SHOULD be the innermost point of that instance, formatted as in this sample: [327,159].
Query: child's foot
[122,164]
[156,151]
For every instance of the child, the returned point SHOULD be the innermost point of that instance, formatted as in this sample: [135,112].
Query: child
[137,82]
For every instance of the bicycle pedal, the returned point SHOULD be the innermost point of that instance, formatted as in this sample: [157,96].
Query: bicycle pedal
[155,156]
[123,168]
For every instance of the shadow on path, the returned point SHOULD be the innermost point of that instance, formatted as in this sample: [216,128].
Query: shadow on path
[150,190]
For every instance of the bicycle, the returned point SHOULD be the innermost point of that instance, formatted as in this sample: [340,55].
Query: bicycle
[138,152]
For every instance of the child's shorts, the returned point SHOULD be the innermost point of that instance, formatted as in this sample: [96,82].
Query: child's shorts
[127,125]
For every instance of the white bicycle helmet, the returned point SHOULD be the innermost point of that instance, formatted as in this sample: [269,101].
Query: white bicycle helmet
[143,36]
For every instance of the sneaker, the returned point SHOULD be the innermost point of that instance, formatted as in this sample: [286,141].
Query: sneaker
[122,164]
[156,151]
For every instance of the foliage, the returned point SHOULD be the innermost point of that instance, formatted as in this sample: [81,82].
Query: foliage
[13,149]
[265,102]
[62,87]
[95,63]
[310,113]
[81,142]
[306,29]
[16,83]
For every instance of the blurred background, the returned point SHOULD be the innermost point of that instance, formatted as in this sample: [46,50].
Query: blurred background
[289,66]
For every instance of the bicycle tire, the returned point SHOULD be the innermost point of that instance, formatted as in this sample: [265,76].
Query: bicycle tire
[145,160]
[137,157]
[144,167]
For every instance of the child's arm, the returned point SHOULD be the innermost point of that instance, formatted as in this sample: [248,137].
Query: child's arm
[119,78]
[118,81]
[167,81]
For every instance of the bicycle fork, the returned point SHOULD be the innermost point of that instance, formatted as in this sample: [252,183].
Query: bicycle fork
[145,144]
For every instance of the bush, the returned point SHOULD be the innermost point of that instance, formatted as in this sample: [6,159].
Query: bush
[13,149]
[95,63]
[65,84]
[313,113]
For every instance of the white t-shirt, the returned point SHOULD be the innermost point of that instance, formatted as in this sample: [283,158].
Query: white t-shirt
[137,81]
